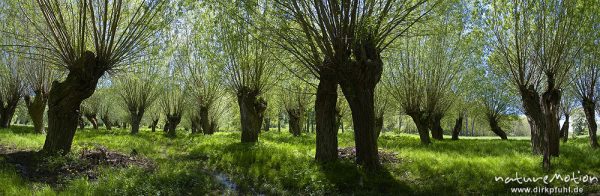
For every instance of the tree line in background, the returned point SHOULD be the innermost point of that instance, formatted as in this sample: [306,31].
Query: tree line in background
[316,66]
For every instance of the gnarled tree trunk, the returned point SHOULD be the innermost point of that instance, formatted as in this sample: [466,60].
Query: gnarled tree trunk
[36,108]
[252,110]
[421,122]
[533,111]
[204,121]
[295,120]
[590,116]
[136,118]
[65,99]
[358,81]
[7,110]
[457,127]
[93,120]
[496,128]
[436,127]
[106,120]
[325,115]
[154,125]
[173,121]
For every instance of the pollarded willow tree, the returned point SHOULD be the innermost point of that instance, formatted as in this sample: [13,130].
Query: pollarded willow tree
[138,90]
[567,106]
[249,68]
[89,110]
[420,84]
[11,88]
[39,75]
[534,42]
[203,69]
[586,85]
[173,104]
[341,43]
[88,38]
[295,97]
[496,101]
[587,68]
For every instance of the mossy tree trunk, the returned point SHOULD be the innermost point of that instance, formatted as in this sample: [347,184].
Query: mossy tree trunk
[358,80]
[7,109]
[65,99]
[36,109]
[136,115]
[252,110]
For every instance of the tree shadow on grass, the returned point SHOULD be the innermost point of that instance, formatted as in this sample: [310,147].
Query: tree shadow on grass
[351,179]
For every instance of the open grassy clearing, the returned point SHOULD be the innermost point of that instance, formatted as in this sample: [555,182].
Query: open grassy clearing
[283,164]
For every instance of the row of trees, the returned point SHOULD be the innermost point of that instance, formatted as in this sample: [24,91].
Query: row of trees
[435,59]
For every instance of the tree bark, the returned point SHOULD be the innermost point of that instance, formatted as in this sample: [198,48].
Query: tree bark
[533,111]
[436,128]
[154,125]
[358,80]
[204,121]
[457,127]
[65,99]
[421,122]
[136,119]
[252,110]
[36,108]
[173,121]
[496,128]
[267,124]
[93,120]
[325,115]
[106,120]
[564,130]
[296,122]
[7,110]
[590,116]
[194,124]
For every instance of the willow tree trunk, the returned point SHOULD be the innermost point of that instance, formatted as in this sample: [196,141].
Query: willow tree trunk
[421,122]
[204,121]
[106,120]
[457,127]
[590,116]
[65,99]
[358,81]
[496,128]
[436,127]
[325,115]
[252,110]
[173,120]
[267,123]
[136,119]
[8,111]
[564,130]
[36,108]
[533,111]
[295,122]
[551,107]
[154,125]
[93,120]
[194,124]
